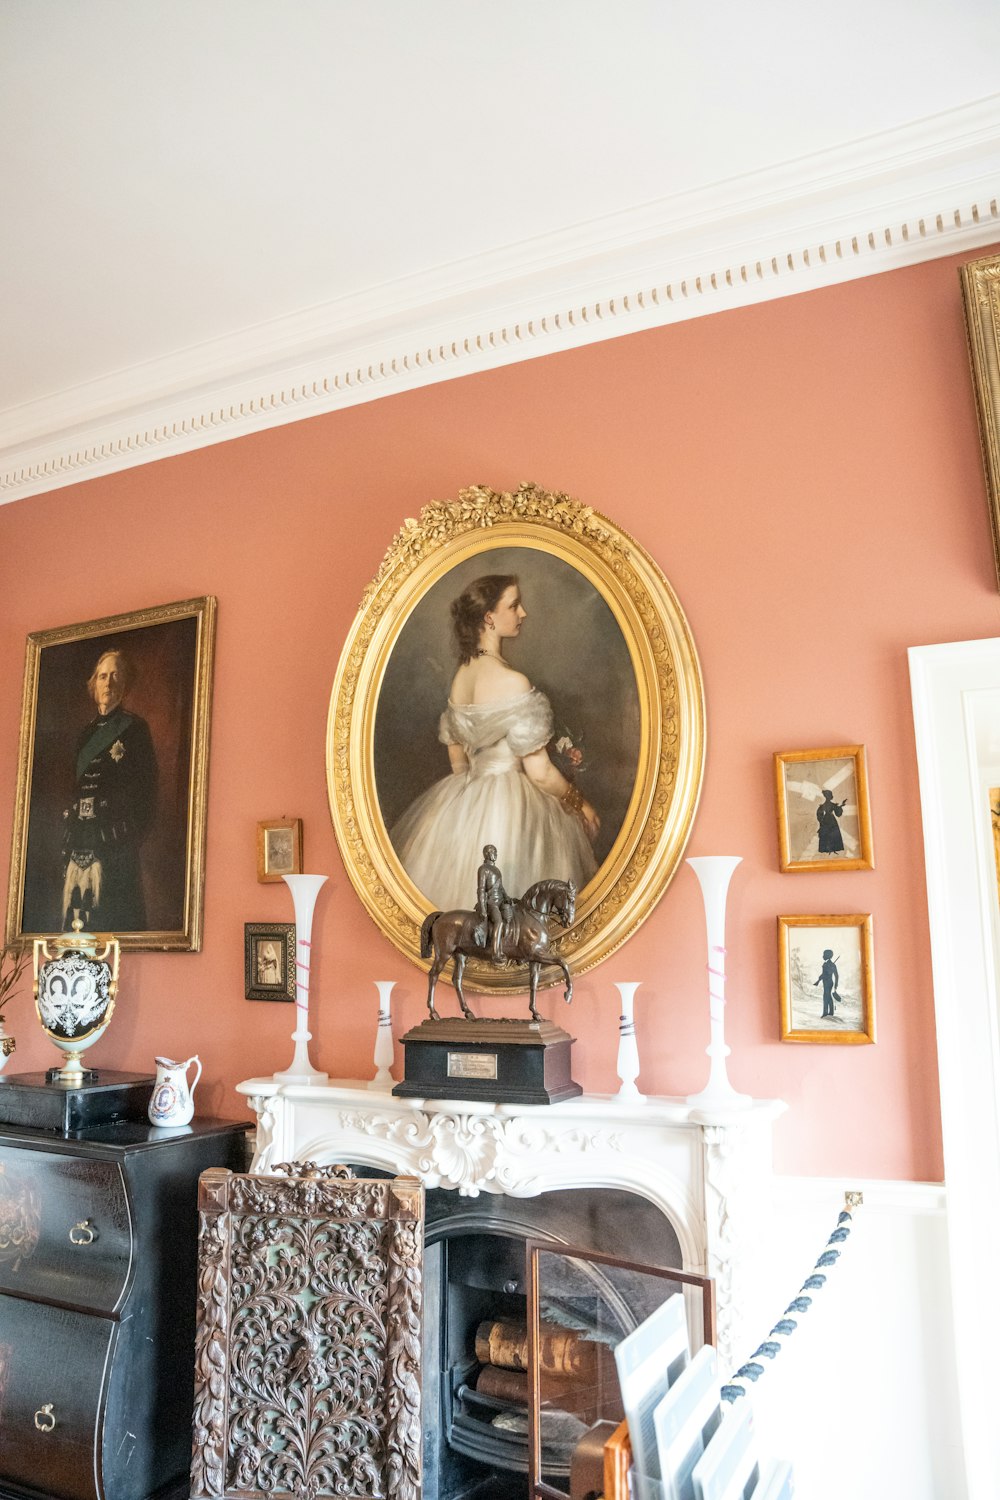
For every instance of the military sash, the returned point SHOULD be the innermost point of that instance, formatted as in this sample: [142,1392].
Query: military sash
[102,738]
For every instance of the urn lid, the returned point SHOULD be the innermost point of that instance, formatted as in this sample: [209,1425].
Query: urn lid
[76,941]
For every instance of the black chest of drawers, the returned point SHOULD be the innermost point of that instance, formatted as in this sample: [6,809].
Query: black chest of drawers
[98,1266]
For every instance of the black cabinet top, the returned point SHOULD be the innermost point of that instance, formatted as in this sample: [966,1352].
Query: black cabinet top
[122,1137]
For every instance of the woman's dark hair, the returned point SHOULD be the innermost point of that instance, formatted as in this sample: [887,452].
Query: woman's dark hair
[472,606]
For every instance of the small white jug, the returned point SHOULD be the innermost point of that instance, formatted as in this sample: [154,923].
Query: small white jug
[173,1098]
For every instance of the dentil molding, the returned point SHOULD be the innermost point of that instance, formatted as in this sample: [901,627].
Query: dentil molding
[923,190]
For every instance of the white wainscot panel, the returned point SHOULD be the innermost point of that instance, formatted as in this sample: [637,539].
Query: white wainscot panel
[862,1398]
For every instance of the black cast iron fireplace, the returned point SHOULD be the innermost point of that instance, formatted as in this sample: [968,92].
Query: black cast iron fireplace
[475,1441]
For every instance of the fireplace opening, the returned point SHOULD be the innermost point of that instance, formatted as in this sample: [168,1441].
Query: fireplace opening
[475,1391]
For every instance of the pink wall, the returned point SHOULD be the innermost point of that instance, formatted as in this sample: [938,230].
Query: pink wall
[806,473]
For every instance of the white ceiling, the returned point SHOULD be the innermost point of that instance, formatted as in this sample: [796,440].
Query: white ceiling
[222,213]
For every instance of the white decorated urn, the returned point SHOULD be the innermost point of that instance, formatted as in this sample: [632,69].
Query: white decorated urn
[75,984]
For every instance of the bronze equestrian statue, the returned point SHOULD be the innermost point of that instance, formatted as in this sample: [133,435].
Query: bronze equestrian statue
[501,928]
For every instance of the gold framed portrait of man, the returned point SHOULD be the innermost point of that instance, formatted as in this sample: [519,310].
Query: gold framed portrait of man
[109,819]
[520,675]
[980,280]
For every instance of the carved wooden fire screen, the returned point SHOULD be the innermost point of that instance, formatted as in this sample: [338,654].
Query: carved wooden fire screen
[307,1367]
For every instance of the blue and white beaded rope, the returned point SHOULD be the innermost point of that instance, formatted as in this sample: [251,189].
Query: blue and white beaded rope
[786,1325]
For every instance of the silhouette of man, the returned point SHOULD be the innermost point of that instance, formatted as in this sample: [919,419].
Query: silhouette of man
[492,902]
[829,978]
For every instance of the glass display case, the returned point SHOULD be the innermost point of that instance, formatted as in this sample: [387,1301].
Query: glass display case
[581,1305]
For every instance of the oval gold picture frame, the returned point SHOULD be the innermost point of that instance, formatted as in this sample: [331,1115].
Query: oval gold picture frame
[655,826]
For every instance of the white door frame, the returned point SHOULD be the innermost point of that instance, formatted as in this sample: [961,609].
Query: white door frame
[956,712]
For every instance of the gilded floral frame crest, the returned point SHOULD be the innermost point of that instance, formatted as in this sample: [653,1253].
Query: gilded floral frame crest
[587,574]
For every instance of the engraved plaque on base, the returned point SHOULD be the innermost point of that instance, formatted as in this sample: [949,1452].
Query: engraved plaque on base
[499,1061]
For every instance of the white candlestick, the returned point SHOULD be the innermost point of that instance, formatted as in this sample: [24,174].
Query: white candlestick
[714,873]
[628,1047]
[383,1037]
[304,889]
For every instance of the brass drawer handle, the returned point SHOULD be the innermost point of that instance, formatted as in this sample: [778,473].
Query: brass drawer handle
[83,1233]
[44,1420]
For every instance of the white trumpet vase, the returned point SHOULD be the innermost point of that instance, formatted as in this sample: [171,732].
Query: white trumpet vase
[628,1047]
[304,889]
[714,873]
[383,1037]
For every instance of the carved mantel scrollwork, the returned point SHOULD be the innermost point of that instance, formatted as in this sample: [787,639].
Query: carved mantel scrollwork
[308,1345]
[709,1174]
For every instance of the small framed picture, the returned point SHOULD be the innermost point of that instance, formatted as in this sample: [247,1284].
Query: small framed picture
[269,960]
[827,979]
[279,849]
[824,822]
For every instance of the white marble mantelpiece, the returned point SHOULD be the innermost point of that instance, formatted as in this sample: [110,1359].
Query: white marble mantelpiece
[708,1171]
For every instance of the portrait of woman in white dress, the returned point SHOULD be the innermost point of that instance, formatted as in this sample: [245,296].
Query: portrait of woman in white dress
[502,787]
[508,714]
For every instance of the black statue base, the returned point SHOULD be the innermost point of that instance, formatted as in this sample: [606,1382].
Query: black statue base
[33,1100]
[500,1061]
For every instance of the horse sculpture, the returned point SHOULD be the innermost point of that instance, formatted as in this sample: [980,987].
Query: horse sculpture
[462,935]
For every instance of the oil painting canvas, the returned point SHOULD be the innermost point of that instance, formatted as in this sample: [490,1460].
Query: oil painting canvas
[544,771]
[109,825]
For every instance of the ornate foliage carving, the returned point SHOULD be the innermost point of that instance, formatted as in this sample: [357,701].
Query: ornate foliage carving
[207,1461]
[314,1386]
[403,1359]
[465,1152]
[309,1189]
[669,774]
[20,1219]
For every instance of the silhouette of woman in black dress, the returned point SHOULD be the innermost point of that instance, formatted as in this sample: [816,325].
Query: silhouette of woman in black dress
[827,814]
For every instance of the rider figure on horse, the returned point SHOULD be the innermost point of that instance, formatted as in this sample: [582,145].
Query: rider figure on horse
[501,930]
[493,903]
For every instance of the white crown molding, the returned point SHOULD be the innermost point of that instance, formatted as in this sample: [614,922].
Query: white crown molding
[906,195]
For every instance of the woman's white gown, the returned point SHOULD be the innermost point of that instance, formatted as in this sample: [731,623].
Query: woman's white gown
[440,837]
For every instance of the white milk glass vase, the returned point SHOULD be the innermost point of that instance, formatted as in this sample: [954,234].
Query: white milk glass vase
[714,873]
[304,889]
[383,1037]
[628,1048]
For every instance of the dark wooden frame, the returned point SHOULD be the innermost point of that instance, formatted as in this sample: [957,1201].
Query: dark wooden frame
[282,933]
